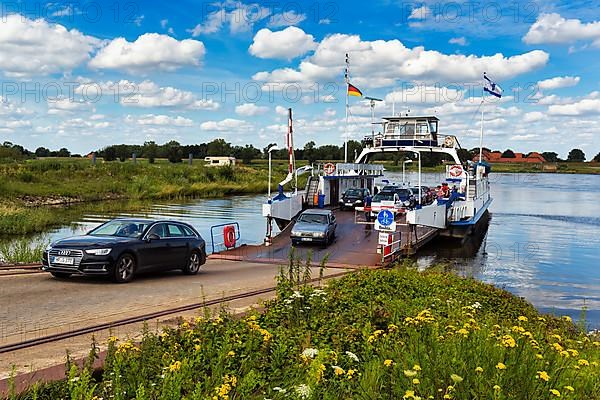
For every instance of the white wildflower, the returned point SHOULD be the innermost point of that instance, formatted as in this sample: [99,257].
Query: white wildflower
[303,391]
[310,352]
[476,305]
[352,356]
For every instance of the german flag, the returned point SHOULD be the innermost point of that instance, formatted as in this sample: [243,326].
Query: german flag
[353,91]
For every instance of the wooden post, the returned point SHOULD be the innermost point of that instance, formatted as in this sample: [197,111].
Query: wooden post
[190,158]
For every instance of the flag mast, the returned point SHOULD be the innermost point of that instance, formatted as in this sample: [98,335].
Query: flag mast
[347,78]
[481,134]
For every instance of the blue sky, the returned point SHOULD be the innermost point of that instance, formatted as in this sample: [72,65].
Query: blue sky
[87,74]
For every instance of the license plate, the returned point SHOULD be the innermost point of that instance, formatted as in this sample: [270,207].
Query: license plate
[349,204]
[62,260]
[306,239]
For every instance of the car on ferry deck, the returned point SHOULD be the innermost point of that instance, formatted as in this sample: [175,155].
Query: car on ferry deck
[124,247]
[314,226]
[353,197]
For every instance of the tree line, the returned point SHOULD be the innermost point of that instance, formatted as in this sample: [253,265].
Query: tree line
[176,152]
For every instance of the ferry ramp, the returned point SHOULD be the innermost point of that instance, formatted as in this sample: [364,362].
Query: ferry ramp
[355,245]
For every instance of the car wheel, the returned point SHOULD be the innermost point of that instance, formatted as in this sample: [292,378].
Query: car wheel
[194,263]
[124,269]
[61,275]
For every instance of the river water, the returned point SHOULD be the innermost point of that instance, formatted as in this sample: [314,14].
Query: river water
[543,241]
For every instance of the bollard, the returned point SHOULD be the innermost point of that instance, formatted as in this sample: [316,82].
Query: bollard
[133,157]
[190,158]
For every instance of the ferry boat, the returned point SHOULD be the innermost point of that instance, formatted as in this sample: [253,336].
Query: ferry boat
[454,215]
[470,196]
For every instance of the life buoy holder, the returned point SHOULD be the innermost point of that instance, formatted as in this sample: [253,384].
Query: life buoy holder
[456,171]
[329,168]
[229,236]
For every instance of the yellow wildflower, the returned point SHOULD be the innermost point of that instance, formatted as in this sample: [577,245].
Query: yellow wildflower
[350,373]
[543,375]
[555,392]
[539,356]
[479,370]
[500,366]
[573,352]
[569,388]
[416,381]
[456,378]
[416,367]
[388,362]
[496,388]
[567,318]
[557,337]
[231,353]
[508,341]
[176,366]
[584,363]
[409,394]
[523,318]
[113,339]
[463,331]
[409,373]
[557,347]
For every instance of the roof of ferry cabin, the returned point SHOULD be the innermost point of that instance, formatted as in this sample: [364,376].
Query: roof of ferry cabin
[411,117]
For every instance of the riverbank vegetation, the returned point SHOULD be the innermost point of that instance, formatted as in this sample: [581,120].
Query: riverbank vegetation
[385,334]
[34,194]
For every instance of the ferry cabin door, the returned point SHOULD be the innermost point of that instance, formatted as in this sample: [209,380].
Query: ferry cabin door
[334,191]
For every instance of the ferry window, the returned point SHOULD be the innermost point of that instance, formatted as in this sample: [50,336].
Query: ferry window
[422,128]
[433,126]
[215,161]
[391,128]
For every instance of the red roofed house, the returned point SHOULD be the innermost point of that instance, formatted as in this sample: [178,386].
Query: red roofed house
[496,157]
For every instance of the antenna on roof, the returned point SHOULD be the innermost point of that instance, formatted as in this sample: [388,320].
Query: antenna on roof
[372,101]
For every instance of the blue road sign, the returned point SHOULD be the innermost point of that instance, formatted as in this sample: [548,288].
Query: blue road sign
[385,217]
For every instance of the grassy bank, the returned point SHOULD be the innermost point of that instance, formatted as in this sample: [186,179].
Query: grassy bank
[33,194]
[387,334]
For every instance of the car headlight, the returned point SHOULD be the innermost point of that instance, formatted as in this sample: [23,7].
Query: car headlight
[295,233]
[357,201]
[406,203]
[98,252]
[319,234]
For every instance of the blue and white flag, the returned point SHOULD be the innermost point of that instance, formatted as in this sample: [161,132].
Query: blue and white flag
[491,87]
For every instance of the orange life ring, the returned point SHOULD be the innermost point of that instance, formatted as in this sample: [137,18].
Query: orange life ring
[329,168]
[456,170]
[229,236]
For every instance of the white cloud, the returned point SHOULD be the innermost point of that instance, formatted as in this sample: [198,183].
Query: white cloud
[159,120]
[281,111]
[461,41]
[286,44]
[240,18]
[558,82]
[288,18]
[65,105]
[226,125]
[250,110]
[150,51]
[147,94]
[420,12]
[581,107]
[37,48]
[534,116]
[381,63]
[324,21]
[553,28]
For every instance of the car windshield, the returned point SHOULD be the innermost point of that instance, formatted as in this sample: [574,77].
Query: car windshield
[384,196]
[353,192]
[313,218]
[132,229]
[403,192]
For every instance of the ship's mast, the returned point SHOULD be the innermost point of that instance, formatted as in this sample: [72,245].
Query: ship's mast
[347,78]
[290,144]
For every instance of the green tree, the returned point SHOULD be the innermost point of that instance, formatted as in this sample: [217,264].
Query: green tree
[63,153]
[109,153]
[42,152]
[174,153]
[508,153]
[550,156]
[597,158]
[354,150]
[310,152]
[576,155]
[219,147]
[150,151]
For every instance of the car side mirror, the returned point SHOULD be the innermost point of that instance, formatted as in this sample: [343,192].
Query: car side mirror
[152,236]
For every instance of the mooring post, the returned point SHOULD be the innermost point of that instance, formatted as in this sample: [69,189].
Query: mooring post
[133,157]
[190,158]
